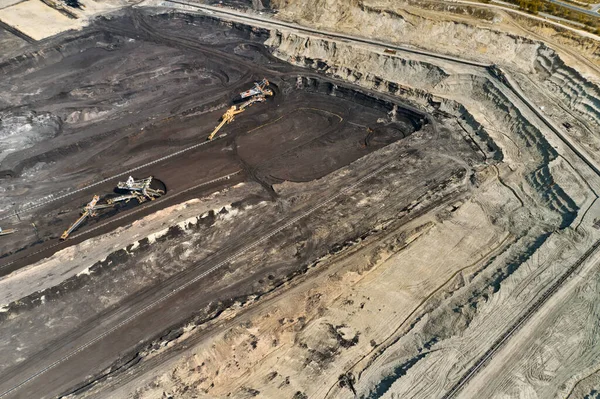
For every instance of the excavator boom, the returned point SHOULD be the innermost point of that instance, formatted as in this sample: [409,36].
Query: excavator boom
[219,126]
[257,94]
[255,99]
[227,117]
[75,225]
[88,211]
[5,232]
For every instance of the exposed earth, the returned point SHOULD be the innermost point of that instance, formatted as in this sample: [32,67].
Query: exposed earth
[392,222]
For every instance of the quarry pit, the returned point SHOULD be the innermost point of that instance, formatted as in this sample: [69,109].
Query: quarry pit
[386,223]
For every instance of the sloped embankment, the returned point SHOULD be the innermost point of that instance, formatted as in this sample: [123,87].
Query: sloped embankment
[568,85]
[485,109]
[399,22]
[434,88]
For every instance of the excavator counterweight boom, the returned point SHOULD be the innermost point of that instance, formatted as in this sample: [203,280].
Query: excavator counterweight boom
[5,232]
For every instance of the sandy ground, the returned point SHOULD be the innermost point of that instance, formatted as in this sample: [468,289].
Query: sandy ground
[536,367]
[7,3]
[334,328]
[37,20]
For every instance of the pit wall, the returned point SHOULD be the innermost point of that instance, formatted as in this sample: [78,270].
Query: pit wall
[398,22]
[444,94]
[207,22]
[388,21]
[500,111]
[351,63]
[419,23]
[313,84]
[410,80]
[568,85]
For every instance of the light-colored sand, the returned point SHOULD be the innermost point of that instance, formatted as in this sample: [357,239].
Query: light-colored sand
[37,20]
[8,3]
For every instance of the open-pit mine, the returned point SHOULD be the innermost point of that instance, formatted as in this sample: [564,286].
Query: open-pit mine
[297,199]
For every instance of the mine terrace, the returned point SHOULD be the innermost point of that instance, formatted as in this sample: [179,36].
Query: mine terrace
[202,201]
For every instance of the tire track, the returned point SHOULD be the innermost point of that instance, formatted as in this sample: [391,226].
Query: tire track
[516,326]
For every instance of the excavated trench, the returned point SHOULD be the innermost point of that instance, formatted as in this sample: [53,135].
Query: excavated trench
[354,121]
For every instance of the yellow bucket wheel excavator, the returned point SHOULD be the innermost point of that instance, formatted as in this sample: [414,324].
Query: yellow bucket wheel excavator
[257,94]
[90,210]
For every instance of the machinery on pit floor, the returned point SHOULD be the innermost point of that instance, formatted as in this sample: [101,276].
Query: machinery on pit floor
[260,88]
[90,210]
[258,94]
[138,189]
[229,115]
[5,232]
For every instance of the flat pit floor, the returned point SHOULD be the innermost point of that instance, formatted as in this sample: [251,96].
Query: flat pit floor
[132,89]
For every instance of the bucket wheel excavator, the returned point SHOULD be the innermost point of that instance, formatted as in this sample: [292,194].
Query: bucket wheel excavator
[260,88]
[90,210]
[140,190]
[257,94]
[227,118]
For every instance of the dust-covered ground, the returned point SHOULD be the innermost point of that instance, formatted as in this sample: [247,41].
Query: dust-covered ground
[388,224]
